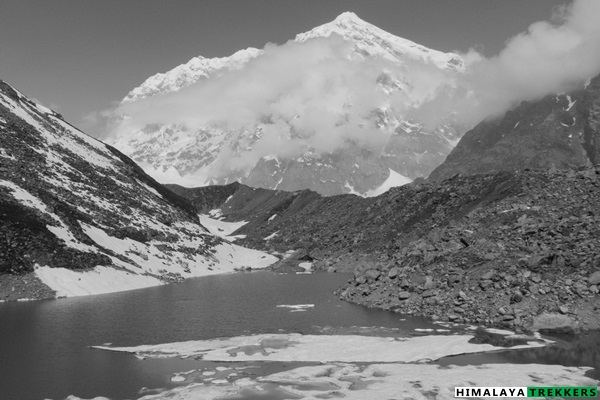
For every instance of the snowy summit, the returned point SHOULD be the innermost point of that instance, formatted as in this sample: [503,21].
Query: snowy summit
[334,122]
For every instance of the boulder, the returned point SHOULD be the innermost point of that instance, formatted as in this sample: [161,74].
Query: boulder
[552,322]
[393,273]
[372,274]
[404,295]
[594,278]
[563,309]
[428,283]
[488,275]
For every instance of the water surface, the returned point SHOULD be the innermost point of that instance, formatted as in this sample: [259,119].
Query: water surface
[44,344]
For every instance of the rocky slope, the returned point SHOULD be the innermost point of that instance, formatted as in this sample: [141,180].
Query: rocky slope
[528,258]
[79,217]
[555,132]
[173,153]
[516,249]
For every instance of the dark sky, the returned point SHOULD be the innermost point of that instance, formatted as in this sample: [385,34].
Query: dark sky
[78,56]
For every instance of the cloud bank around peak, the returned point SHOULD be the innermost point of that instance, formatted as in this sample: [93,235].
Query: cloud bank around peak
[319,94]
[552,56]
[315,95]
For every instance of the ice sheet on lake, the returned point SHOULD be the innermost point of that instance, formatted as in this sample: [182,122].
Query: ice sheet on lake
[381,381]
[318,348]
[343,373]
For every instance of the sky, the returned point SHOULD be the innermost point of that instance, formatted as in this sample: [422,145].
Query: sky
[81,56]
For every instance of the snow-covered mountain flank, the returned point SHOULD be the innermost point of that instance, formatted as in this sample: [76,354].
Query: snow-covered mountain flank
[79,217]
[328,111]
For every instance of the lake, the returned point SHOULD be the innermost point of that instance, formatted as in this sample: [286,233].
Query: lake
[44,344]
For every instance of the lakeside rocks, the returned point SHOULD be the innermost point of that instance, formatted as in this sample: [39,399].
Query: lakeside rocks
[531,260]
[496,249]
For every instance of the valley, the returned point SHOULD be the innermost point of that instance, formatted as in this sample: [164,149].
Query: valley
[341,214]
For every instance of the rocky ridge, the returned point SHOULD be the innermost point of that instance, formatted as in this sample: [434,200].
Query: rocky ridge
[515,249]
[559,131]
[77,216]
[529,260]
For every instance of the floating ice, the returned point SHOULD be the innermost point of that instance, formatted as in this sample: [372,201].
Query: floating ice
[319,348]
[296,307]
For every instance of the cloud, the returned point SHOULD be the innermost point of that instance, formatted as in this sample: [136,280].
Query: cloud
[550,57]
[315,95]
[318,95]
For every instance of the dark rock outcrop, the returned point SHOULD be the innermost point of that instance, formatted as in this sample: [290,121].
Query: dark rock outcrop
[555,132]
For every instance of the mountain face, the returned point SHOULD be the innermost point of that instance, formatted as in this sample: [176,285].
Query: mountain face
[504,248]
[79,217]
[555,132]
[174,153]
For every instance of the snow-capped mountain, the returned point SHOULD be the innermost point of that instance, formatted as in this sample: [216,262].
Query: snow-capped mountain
[406,148]
[79,217]
[191,72]
[370,40]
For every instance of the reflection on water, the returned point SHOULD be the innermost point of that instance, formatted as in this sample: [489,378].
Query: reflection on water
[265,391]
[580,350]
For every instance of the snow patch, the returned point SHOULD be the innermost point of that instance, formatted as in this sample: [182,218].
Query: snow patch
[571,102]
[221,228]
[351,189]
[146,265]
[271,236]
[26,198]
[98,280]
[306,265]
[217,212]
[63,233]
[394,180]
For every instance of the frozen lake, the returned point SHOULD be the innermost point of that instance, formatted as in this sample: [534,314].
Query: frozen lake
[44,344]
[46,351]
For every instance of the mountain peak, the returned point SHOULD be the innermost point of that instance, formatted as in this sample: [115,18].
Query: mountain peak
[371,40]
[348,17]
[347,25]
